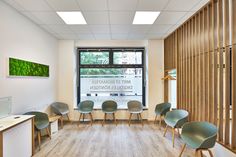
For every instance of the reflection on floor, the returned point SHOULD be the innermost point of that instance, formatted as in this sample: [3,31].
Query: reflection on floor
[111,141]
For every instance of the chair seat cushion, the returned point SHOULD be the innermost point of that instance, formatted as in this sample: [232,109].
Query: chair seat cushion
[85,112]
[135,112]
[171,122]
[109,112]
[41,125]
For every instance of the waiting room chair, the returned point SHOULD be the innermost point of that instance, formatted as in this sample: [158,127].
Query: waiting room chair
[109,107]
[175,119]
[86,107]
[200,136]
[135,107]
[41,122]
[62,109]
[161,110]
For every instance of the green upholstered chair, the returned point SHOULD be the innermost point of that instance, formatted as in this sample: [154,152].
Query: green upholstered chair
[86,107]
[109,107]
[41,122]
[135,107]
[62,109]
[161,110]
[199,135]
[175,119]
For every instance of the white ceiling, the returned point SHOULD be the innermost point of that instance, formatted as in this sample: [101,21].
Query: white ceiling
[108,19]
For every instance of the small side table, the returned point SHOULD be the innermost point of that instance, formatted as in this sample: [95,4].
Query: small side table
[54,124]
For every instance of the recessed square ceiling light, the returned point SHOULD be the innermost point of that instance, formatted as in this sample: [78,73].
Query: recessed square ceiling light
[72,18]
[145,17]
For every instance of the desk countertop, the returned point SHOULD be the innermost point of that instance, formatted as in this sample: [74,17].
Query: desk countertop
[12,120]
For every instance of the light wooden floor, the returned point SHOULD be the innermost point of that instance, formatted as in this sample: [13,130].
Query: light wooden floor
[111,141]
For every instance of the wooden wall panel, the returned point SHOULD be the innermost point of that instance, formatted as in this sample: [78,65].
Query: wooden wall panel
[202,52]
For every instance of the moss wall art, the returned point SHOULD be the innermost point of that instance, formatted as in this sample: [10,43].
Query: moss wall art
[19,67]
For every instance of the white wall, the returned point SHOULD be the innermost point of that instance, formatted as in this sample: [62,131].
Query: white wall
[20,38]
[67,72]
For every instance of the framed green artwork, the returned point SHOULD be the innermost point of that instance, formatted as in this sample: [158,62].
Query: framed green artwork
[18,67]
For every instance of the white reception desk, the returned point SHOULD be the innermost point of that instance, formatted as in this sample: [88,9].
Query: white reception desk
[17,136]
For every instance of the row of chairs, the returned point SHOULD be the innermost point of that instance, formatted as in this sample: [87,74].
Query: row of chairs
[110,107]
[200,136]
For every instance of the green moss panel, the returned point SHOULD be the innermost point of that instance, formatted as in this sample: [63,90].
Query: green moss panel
[19,67]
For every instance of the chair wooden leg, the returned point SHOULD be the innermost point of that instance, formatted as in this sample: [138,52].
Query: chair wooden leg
[67,115]
[178,132]
[39,139]
[182,150]
[210,152]
[61,122]
[80,118]
[165,130]
[49,135]
[114,117]
[173,137]
[198,153]
[160,122]
[91,117]
[155,119]
[141,118]
[83,117]
[104,119]
[130,118]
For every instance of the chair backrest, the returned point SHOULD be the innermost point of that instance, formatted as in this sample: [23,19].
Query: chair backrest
[109,106]
[163,108]
[205,130]
[178,116]
[39,118]
[59,107]
[135,105]
[86,105]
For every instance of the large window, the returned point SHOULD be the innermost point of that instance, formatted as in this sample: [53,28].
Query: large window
[111,74]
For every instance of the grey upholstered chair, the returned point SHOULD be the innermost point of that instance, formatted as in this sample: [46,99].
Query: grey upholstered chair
[62,109]
[86,107]
[109,107]
[41,122]
[135,107]
[161,110]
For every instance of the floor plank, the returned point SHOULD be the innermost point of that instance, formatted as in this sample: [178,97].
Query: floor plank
[111,141]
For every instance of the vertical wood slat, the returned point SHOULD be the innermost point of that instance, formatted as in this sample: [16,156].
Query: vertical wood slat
[233,74]
[227,74]
[220,52]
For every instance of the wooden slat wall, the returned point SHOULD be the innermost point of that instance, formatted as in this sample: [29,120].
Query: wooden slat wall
[203,50]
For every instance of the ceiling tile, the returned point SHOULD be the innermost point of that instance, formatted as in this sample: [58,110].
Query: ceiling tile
[34,5]
[139,29]
[181,5]
[120,18]
[100,29]
[68,36]
[151,5]
[92,5]
[80,29]
[96,17]
[120,29]
[63,5]
[185,17]
[169,17]
[32,17]
[122,5]
[48,17]
[119,36]
[160,29]
[137,36]
[155,36]
[46,28]
[200,5]
[14,5]
[102,36]
[85,36]
[61,29]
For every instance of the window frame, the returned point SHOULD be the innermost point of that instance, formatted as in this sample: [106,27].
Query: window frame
[111,65]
